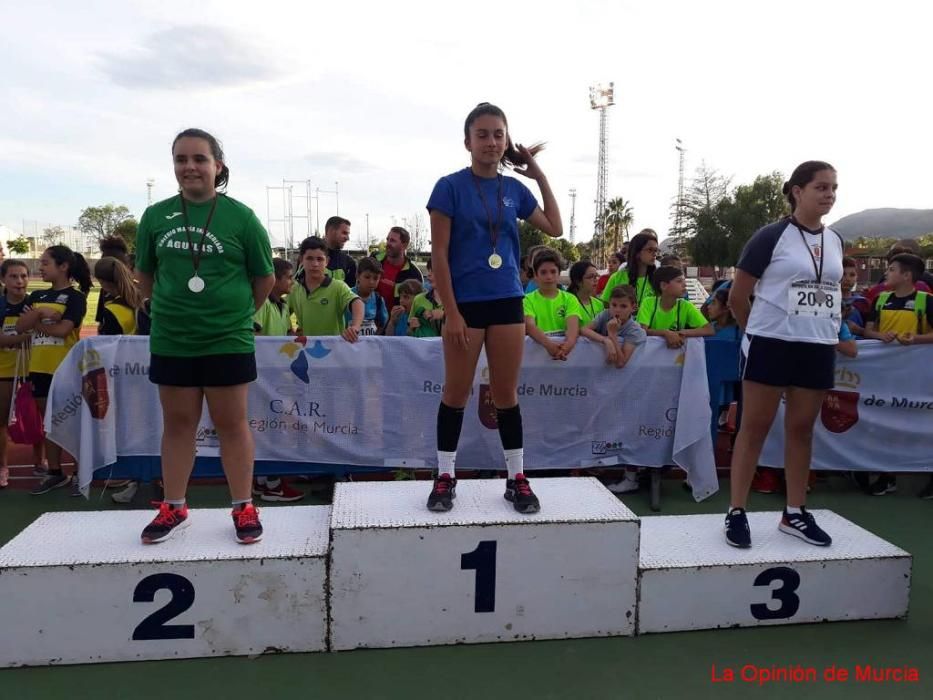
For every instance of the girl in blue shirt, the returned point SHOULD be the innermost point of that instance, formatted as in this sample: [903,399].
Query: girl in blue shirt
[475,258]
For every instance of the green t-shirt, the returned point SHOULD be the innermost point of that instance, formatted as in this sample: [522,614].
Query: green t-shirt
[321,312]
[550,315]
[590,310]
[219,319]
[273,319]
[423,303]
[643,288]
[680,317]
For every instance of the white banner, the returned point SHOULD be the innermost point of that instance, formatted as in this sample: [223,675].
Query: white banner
[879,416]
[374,403]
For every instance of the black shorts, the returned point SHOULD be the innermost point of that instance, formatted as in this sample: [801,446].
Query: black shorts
[41,383]
[495,312]
[207,370]
[785,363]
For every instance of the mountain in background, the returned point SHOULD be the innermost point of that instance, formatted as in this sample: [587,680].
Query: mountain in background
[885,223]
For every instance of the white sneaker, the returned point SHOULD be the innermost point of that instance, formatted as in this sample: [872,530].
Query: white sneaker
[127,494]
[626,485]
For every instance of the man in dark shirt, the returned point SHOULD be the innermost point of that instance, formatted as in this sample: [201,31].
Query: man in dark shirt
[341,265]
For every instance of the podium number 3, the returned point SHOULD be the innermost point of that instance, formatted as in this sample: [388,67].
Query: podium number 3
[483,561]
[785,594]
[154,627]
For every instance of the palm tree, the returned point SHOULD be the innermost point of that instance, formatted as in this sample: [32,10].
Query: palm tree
[618,217]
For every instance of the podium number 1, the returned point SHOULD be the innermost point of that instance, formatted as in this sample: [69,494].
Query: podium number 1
[154,627]
[483,561]
[786,594]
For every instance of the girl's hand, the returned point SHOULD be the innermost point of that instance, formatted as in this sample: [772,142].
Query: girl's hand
[906,338]
[454,331]
[674,340]
[531,168]
[414,323]
[553,349]
[888,337]
[351,334]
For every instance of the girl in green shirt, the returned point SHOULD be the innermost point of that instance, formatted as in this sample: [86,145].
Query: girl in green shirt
[638,271]
[206,262]
[583,279]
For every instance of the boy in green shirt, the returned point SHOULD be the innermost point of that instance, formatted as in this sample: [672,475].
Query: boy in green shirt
[273,317]
[319,301]
[550,310]
[670,315]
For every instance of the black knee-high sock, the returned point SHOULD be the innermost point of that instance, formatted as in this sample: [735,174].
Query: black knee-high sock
[449,424]
[510,433]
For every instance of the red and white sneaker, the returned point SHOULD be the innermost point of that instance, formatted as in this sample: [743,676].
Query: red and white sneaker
[170,520]
[246,522]
[283,493]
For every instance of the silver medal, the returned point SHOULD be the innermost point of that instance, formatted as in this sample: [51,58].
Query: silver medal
[196,284]
[820,296]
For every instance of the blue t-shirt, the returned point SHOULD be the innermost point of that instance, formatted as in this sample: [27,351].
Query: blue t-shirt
[844,332]
[375,315]
[456,196]
[400,327]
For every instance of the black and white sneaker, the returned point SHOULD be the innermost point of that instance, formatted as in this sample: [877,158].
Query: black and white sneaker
[518,492]
[54,480]
[884,484]
[803,525]
[442,494]
[738,533]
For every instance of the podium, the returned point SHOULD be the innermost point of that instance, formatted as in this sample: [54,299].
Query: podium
[690,579]
[402,575]
[81,588]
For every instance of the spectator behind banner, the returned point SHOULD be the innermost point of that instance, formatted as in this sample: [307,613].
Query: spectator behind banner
[529,259]
[720,315]
[904,314]
[273,318]
[639,267]
[397,267]
[549,310]
[110,247]
[616,262]
[319,301]
[615,328]
[668,314]
[924,281]
[427,313]
[398,317]
[375,315]
[853,304]
[118,315]
[15,277]
[54,318]
[583,277]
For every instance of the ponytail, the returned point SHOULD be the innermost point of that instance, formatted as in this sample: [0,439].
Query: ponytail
[116,273]
[78,269]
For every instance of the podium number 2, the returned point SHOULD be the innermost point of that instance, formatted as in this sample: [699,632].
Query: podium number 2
[483,561]
[785,594]
[154,627]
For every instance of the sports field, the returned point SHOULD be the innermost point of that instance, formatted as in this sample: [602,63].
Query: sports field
[653,666]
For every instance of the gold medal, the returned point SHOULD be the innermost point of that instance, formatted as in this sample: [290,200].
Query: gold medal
[495,261]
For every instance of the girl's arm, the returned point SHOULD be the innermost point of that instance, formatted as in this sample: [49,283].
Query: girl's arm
[146,281]
[570,335]
[849,348]
[13,341]
[536,334]
[455,327]
[698,332]
[60,329]
[740,295]
[262,288]
[27,320]
[548,219]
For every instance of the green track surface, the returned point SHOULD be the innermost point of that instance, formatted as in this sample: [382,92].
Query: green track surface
[663,665]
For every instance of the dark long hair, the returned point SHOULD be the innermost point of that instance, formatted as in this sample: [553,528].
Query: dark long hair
[639,241]
[512,156]
[803,175]
[78,269]
[220,182]
[577,271]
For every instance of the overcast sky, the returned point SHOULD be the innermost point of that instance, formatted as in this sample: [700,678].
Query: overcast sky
[373,95]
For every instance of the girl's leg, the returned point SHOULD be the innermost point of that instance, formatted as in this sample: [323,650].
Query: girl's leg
[759,406]
[227,406]
[459,368]
[181,411]
[803,407]
[505,346]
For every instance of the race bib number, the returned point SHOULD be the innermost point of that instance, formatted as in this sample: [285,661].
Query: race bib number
[43,339]
[368,328]
[815,299]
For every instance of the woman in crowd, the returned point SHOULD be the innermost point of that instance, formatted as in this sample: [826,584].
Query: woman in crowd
[793,268]
[205,262]
[640,266]
[616,260]
[475,256]
[583,276]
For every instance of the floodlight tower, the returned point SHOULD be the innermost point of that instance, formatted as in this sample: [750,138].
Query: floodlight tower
[149,184]
[573,216]
[679,210]
[602,97]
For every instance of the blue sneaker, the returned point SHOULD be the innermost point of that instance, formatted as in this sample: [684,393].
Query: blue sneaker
[738,533]
[803,525]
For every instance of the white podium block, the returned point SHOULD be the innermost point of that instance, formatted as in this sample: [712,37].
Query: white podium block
[81,588]
[691,579]
[402,575]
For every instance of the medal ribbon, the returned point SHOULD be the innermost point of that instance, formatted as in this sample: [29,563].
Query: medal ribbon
[493,230]
[196,257]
